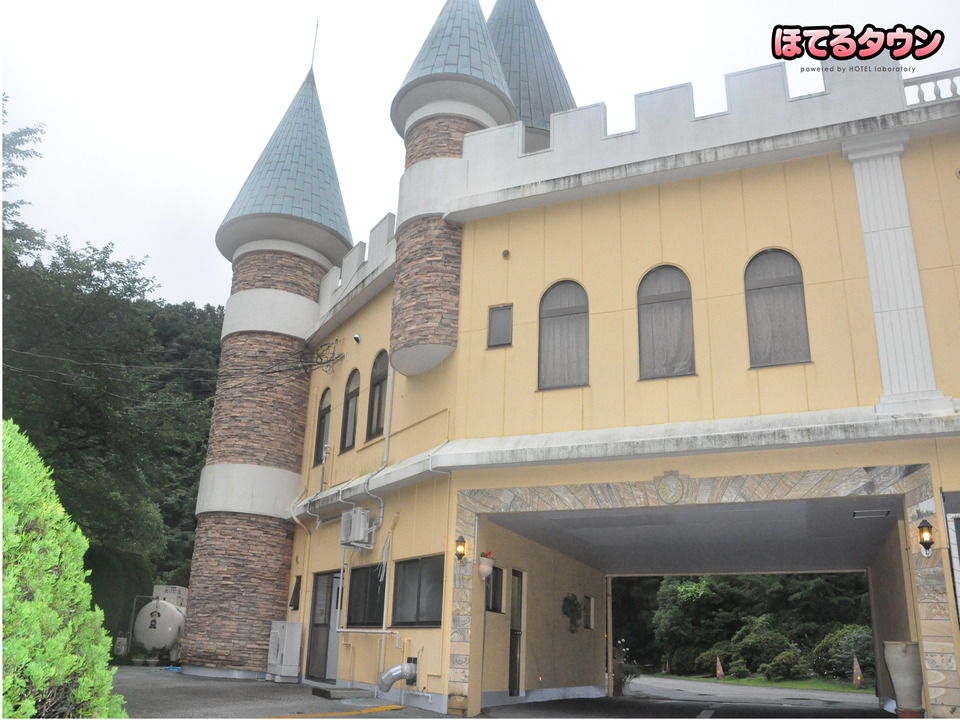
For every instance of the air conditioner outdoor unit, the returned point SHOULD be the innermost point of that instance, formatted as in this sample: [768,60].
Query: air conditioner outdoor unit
[355,527]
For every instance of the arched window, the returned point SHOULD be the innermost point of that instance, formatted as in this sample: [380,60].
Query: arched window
[378,395]
[348,432]
[776,317]
[323,429]
[665,316]
[564,343]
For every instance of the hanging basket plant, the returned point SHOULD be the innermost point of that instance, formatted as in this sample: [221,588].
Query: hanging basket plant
[573,609]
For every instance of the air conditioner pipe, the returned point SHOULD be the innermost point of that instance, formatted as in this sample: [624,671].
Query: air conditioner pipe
[403,671]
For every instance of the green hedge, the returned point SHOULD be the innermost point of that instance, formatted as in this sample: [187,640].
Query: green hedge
[55,650]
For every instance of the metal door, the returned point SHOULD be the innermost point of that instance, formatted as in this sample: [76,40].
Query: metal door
[322,617]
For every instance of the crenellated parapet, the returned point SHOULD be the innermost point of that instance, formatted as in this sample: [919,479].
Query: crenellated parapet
[761,118]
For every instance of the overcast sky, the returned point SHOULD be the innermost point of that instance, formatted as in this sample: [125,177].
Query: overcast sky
[156,112]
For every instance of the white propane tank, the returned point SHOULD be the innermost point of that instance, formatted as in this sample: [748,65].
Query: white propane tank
[159,624]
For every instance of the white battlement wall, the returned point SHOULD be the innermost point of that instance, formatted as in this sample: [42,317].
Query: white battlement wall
[758,107]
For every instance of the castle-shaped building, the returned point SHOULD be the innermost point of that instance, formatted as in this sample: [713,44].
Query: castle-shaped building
[724,344]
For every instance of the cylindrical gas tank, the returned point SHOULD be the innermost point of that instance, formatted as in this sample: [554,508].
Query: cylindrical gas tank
[159,624]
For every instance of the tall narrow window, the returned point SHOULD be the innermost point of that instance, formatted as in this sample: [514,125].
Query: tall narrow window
[323,429]
[500,326]
[665,315]
[776,317]
[378,395]
[564,350]
[365,603]
[348,433]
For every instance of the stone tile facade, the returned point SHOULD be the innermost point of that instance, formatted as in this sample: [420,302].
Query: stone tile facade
[260,411]
[427,284]
[277,270]
[913,482]
[437,137]
[238,584]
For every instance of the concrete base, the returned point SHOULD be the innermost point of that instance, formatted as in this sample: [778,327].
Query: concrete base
[931,402]
[435,702]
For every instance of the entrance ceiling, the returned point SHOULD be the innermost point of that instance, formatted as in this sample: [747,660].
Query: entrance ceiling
[782,536]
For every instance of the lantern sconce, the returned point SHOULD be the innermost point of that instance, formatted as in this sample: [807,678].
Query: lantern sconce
[461,549]
[925,532]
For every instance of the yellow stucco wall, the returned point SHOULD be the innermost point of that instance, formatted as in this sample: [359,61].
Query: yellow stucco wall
[709,227]
[551,656]
[421,419]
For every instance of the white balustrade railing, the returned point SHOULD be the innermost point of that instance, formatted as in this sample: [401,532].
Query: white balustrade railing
[932,88]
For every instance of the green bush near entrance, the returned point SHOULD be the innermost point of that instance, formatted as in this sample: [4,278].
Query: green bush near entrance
[833,656]
[55,650]
[788,665]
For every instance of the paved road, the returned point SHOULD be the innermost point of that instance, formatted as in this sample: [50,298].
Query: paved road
[159,693]
[653,697]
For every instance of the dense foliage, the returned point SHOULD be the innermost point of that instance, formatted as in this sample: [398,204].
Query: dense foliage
[753,623]
[833,656]
[114,389]
[55,650]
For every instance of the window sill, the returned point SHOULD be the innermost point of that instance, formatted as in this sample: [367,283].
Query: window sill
[499,347]
[666,377]
[421,626]
[562,387]
[782,364]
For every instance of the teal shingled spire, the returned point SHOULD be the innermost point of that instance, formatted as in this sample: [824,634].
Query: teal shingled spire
[533,72]
[459,44]
[295,174]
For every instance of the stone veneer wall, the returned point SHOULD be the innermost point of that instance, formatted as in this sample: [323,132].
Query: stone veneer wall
[937,650]
[277,270]
[437,137]
[238,584]
[427,284]
[260,412]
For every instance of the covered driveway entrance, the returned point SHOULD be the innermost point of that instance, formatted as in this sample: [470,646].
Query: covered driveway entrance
[850,519]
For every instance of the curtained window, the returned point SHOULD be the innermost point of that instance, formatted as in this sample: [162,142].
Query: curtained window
[348,433]
[564,346]
[323,429]
[776,317]
[665,316]
[378,395]
[500,326]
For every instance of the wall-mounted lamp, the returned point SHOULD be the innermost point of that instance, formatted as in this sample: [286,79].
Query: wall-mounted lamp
[461,549]
[925,532]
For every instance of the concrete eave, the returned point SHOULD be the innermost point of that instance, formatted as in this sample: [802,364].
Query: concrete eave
[765,432]
[917,122]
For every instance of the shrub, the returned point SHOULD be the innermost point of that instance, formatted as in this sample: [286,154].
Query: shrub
[55,650]
[738,669]
[682,660]
[788,665]
[706,662]
[758,643]
[833,656]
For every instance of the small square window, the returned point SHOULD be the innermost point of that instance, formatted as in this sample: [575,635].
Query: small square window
[500,326]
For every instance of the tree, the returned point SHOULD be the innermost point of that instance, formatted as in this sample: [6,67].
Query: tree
[114,388]
[55,650]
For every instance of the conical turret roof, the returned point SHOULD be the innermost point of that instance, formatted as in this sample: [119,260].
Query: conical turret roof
[458,49]
[295,175]
[534,75]
[459,43]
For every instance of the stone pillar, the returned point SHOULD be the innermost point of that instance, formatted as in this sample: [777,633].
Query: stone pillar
[906,361]
[241,562]
[427,285]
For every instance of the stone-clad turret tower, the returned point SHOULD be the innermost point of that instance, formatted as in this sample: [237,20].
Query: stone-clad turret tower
[455,86]
[286,228]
